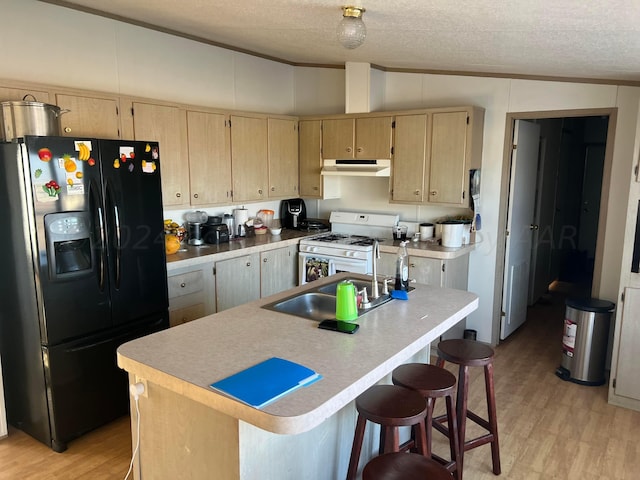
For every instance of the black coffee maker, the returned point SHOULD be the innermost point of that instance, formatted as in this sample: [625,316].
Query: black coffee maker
[292,211]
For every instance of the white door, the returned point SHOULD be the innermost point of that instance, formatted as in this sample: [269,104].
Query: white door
[524,166]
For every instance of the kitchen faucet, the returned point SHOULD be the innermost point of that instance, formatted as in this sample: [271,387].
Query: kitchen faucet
[374,280]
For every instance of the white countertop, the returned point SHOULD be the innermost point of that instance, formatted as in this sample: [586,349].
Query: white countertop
[192,255]
[187,358]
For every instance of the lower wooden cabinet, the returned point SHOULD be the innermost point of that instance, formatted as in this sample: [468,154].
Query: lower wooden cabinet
[278,270]
[237,281]
[191,293]
[249,277]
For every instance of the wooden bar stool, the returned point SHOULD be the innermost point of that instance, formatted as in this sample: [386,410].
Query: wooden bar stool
[434,382]
[469,353]
[404,466]
[390,406]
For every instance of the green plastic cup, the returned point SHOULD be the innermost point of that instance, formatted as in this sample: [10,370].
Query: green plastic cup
[346,301]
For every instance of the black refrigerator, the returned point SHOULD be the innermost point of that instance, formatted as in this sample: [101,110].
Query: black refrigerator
[84,270]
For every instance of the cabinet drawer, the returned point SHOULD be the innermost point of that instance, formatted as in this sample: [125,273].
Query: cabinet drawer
[185,284]
[186,314]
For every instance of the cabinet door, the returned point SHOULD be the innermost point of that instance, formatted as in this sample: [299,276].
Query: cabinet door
[338,137]
[166,125]
[18,94]
[209,158]
[283,158]
[186,314]
[448,151]
[387,264]
[278,270]
[428,271]
[249,158]
[409,158]
[237,281]
[373,137]
[310,158]
[89,117]
[628,369]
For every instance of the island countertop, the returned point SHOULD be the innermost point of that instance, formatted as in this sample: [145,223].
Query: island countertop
[186,359]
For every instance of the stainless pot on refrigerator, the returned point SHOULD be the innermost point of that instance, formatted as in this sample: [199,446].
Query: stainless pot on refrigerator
[20,118]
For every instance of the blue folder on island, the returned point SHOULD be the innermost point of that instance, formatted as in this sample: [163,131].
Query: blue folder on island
[267,381]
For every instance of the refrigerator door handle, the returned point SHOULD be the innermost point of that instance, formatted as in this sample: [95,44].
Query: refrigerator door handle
[102,249]
[99,214]
[116,216]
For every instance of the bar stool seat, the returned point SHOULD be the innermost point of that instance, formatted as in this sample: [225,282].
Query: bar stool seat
[390,406]
[469,353]
[433,382]
[404,466]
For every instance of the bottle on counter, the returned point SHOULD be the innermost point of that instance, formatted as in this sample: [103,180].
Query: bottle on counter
[402,268]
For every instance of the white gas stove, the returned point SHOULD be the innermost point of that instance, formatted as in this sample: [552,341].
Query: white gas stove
[347,248]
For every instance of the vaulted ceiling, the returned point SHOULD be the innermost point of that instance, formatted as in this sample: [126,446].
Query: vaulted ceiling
[578,39]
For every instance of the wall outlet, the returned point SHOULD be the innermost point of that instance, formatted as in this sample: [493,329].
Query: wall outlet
[145,394]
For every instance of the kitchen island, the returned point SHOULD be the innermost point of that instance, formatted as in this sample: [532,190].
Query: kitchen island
[188,430]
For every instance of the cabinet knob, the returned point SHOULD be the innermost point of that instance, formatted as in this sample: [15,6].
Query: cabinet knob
[259,191]
[433,193]
[248,264]
[349,149]
[316,188]
[359,149]
[182,285]
[273,189]
[67,129]
[417,192]
[178,194]
[265,260]
[195,195]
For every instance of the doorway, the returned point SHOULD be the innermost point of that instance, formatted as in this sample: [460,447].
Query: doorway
[569,200]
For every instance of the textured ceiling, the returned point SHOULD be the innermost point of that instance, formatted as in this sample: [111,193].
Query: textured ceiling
[580,39]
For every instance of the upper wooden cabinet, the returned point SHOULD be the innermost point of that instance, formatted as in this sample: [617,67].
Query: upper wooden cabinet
[310,157]
[409,153]
[448,158]
[283,157]
[209,158]
[89,116]
[249,158]
[8,94]
[167,125]
[433,153]
[349,138]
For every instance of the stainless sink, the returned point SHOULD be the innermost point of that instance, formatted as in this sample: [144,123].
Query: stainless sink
[320,303]
[312,305]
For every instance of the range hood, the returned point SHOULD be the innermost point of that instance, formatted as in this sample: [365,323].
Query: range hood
[357,168]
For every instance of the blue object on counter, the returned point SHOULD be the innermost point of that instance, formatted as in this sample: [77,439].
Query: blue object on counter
[399,295]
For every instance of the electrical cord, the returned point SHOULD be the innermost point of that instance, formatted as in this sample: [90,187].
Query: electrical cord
[136,390]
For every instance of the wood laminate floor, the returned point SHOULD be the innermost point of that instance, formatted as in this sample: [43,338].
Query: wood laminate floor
[549,428]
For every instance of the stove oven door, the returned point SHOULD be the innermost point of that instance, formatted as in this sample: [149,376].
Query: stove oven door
[314,266]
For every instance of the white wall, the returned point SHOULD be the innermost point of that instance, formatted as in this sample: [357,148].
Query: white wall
[499,96]
[54,45]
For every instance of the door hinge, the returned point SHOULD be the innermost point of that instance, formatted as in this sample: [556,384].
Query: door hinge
[443,267]
[117,111]
[514,147]
[507,233]
[391,150]
[635,170]
[613,383]
[463,192]
[214,270]
[622,297]
[393,124]
[467,119]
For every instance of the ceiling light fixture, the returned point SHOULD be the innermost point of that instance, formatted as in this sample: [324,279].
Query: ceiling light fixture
[351,29]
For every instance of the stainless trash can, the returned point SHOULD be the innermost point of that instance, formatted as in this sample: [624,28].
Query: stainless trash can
[584,340]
